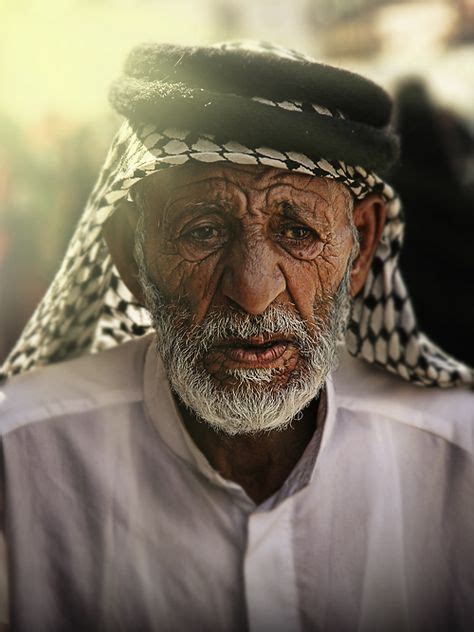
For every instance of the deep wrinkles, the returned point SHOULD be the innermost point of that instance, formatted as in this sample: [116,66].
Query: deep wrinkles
[184,276]
[243,401]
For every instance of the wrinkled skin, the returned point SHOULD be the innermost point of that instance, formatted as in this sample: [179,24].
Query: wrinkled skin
[244,238]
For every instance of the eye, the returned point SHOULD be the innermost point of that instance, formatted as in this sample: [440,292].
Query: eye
[203,233]
[298,239]
[202,239]
[296,232]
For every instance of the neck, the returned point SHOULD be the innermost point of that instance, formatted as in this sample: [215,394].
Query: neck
[259,463]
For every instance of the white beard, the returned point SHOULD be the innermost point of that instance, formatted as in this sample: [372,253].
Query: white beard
[252,402]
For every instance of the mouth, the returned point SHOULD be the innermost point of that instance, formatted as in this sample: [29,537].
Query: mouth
[255,352]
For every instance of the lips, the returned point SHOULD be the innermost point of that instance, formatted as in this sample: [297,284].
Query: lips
[254,351]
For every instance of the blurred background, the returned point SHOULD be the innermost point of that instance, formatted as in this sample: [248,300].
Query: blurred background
[58,57]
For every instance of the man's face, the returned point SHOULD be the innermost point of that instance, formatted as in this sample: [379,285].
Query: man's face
[245,270]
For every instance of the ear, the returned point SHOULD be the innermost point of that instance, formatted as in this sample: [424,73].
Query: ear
[369,219]
[119,234]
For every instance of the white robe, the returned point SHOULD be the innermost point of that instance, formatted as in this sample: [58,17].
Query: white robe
[114,520]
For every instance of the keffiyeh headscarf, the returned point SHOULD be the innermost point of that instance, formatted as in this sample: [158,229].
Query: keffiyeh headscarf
[88,308]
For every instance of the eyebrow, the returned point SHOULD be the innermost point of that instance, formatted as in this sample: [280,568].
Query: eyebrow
[192,207]
[295,211]
[197,206]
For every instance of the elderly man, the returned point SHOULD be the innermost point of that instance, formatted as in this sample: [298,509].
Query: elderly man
[220,473]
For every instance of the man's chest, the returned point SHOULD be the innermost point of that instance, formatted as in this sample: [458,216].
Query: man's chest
[111,529]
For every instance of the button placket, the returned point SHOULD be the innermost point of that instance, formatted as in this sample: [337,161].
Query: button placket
[269,571]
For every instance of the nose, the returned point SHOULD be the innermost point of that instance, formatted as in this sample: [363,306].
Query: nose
[253,278]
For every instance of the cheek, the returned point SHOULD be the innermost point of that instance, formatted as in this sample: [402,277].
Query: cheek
[193,282]
[310,282]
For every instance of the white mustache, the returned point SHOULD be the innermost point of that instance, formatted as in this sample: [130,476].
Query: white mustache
[221,325]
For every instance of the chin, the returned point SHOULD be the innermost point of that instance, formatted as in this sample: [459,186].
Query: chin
[247,401]
[273,380]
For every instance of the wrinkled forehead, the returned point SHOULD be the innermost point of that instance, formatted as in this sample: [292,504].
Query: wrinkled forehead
[215,179]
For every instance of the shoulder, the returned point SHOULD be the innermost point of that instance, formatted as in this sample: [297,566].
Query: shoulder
[368,389]
[87,383]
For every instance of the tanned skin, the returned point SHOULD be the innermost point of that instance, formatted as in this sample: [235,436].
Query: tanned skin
[247,237]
